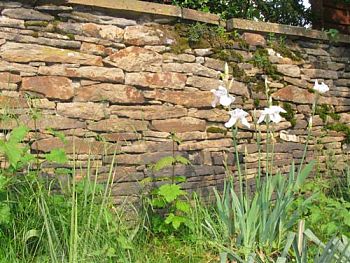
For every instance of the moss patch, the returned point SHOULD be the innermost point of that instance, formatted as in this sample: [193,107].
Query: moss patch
[340,127]
[261,60]
[227,55]
[325,110]
[290,114]
[36,23]
[215,129]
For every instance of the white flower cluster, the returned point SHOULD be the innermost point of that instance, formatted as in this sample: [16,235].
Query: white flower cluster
[272,113]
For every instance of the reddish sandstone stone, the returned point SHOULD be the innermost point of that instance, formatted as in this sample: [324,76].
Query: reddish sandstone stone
[186,124]
[156,80]
[50,87]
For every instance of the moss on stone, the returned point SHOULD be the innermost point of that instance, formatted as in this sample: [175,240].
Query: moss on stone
[325,110]
[340,127]
[256,102]
[237,72]
[290,114]
[36,23]
[261,60]
[227,55]
[215,129]
[285,51]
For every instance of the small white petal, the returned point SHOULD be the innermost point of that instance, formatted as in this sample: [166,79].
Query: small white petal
[261,118]
[231,122]
[276,118]
[214,102]
[225,101]
[245,122]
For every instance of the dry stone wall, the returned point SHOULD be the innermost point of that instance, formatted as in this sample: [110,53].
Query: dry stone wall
[111,82]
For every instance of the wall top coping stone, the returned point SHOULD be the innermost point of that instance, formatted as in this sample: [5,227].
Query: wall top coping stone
[194,15]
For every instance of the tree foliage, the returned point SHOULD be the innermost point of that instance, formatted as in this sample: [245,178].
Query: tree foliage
[291,12]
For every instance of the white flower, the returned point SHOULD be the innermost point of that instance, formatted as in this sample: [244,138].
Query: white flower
[321,88]
[237,114]
[221,95]
[271,113]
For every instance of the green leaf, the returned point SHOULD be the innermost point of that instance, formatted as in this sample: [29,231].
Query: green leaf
[175,220]
[158,202]
[18,134]
[303,174]
[183,206]
[163,162]
[170,192]
[182,160]
[31,234]
[13,153]
[57,156]
[5,213]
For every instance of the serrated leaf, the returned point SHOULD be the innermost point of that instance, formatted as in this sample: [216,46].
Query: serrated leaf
[182,160]
[183,206]
[174,220]
[170,192]
[18,134]
[158,202]
[57,156]
[163,162]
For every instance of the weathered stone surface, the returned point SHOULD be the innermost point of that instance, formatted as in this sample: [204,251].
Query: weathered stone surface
[114,93]
[214,64]
[320,73]
[6,77]
[135,59]
[144,146]
[8,86]
[215,115]
[289,70]
[82,110]
[204,83]
[186,124]
[185,98]
[194,68]
[31,52]
[294,94]
[118,125]
[93,49]
[50,121]
[345,118]
[73,145]
[170,57]
[108,32]
[156,80]
[148,112]
[141,35]
[9,22]
[26,14]
[342,82]
[89,72]
[50,87]
[202,52]
[296,82]
[16,67]
[316,52]
[121,136]
[191,146]
[61,43]
[7,102]
[254,39]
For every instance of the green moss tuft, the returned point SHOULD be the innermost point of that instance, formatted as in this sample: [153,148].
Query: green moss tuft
[215,129]
[256,103]
[261,60]
[290,114]
[340,127]
[36,23]
[325,110]
[227,55]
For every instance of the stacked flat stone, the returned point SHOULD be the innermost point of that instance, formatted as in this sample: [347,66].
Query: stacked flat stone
[111,84]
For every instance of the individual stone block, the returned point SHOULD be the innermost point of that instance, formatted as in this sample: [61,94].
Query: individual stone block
[186,124]
[289,70]
[114,93]
[50,87]
[26,14]
[24,53]
[82,110]
[118,125]
[135,59]
[170,80]
[254,39]
[89,72]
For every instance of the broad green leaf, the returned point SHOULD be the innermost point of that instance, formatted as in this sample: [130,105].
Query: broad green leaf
[183,206]
[174,220]
[170,192]
[163,162]
[158,202]
[182,160]
[18,134]
[13,153]
[303,174]
[57,156]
